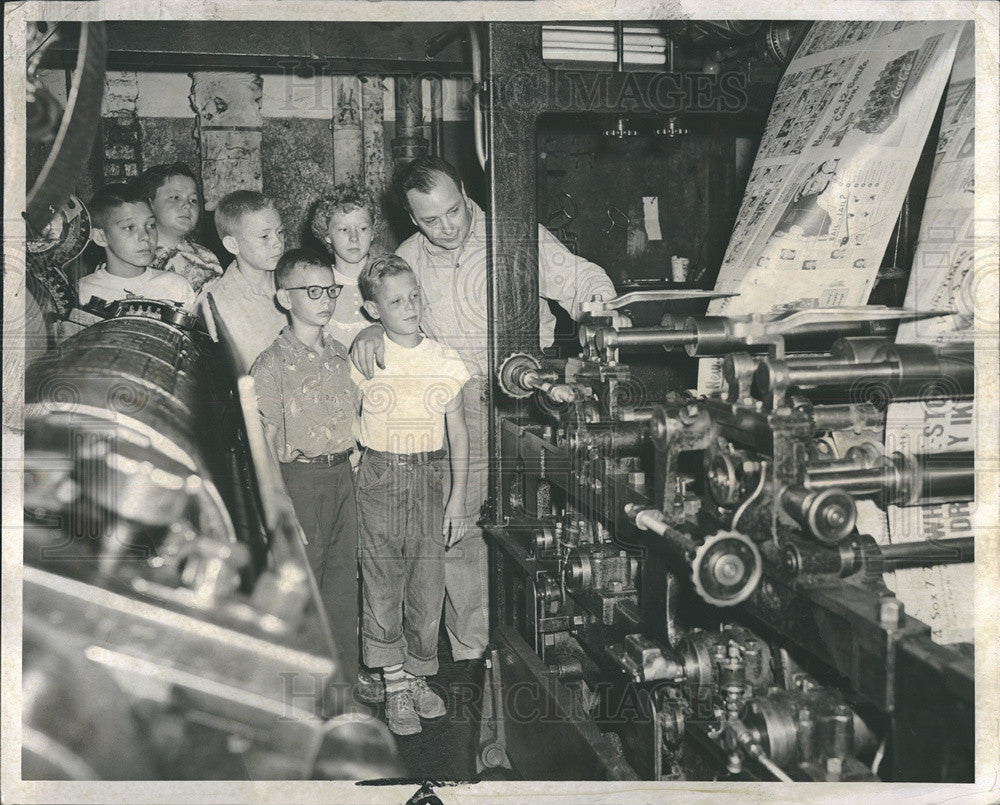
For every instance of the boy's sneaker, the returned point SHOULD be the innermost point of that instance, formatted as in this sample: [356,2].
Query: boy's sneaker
[370,688]
[425,701]
[400,712]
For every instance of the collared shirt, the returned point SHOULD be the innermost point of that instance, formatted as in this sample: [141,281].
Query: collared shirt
[307,396]
[455,288]
[250,314]
[403,406]
[348,317]
[150,284]
[191,260]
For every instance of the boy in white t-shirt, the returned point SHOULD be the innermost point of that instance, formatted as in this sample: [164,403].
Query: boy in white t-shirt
[124,225]
[405,524]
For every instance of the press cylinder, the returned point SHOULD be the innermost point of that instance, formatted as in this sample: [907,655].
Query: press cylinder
[612,438]
[716,335]
[903,370]
[828,514]
[904,480]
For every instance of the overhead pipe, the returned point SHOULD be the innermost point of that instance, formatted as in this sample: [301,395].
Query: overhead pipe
[437,116]
[478,125]
[409,142]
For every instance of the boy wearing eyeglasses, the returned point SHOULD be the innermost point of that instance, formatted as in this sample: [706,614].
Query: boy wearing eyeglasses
[307,401]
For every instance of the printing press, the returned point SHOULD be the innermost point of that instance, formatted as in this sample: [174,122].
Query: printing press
[680,590]
[695,565]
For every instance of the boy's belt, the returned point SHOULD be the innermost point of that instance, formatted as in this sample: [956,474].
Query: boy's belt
[407,458]
[330,460]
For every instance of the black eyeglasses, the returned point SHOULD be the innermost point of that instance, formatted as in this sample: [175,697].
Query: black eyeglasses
[316,291]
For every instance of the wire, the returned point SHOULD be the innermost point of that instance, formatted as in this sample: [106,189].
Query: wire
[746,503]
[774,768]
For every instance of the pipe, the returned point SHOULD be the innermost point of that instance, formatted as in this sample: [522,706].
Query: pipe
[956,551]
[435,44]
[620,46]
[478,128]
[717,335]
[409,142]
[437,117]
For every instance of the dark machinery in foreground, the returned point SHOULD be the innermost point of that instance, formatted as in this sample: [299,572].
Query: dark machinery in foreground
[170,621]
[681,584]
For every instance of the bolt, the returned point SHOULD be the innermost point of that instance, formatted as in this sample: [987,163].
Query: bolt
[835,516]
[493,756]
[834,767]
[657,428]
[615,586]
[889,612]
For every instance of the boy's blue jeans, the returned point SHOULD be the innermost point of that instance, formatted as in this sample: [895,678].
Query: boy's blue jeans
[400,513]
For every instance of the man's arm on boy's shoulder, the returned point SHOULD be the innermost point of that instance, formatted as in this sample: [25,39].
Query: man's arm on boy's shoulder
[457,522]
[368,350]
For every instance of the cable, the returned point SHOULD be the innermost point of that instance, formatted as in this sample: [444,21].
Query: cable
[774,768]
[743,506]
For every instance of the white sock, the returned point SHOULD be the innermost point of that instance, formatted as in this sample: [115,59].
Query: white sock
[394,678]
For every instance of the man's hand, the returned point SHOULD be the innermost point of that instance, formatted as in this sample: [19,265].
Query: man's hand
[456,524]
[368,350]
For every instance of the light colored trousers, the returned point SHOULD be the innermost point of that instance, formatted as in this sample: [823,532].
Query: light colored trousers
[466,572]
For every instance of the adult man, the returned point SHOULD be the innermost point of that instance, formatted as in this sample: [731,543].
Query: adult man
[448,256]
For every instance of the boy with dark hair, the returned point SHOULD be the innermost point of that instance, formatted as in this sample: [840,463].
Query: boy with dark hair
[251,230]
[308,401]
[124,225]
[172,192]
[405,524]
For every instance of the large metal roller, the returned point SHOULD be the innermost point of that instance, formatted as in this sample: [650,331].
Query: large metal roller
[122,417]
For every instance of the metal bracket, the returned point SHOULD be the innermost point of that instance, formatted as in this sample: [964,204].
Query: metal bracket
[604,308]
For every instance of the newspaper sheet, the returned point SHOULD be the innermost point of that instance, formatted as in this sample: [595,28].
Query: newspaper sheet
[942,275]
[846,129]
[941,279]
[939,596]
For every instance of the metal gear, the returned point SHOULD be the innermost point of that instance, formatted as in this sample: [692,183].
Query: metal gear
[511,370]
[726,568]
